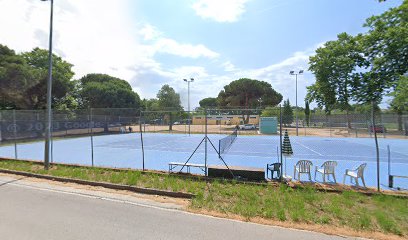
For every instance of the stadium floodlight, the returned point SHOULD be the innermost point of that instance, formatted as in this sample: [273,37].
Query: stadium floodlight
[297,122]
[189,120]
[48,125]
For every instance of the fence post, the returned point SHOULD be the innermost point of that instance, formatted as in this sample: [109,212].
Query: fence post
[15,134]
[376,145]
[280,141]
[328,118]
[91,125]
[304,126]
[52,137]
[205,143]
[383,125]
[141,139]
[1,121]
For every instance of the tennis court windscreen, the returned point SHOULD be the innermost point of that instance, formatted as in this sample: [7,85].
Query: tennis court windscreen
[225,143]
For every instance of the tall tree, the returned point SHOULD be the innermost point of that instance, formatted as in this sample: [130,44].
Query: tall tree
[151,104]
[17,79]
[104,91]
[287,113]
[400,101]
[168,98]
[61,76]
[307,112]
[247,93]
[208,102]
[385,48]
[334,66]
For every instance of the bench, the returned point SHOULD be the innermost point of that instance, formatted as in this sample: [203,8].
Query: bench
[391,180]
[173,165]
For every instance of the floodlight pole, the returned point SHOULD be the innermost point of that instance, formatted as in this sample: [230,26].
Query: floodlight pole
[48,125]
[297,122]
[188,84]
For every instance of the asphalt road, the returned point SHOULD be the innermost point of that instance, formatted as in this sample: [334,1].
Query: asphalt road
[35,210]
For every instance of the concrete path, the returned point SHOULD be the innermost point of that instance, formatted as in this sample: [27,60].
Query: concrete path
[33,209]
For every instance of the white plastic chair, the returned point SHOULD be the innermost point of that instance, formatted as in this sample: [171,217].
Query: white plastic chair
[328,168]
[303,166]
[356,174]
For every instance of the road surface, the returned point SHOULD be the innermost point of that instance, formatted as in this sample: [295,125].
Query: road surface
[43,210]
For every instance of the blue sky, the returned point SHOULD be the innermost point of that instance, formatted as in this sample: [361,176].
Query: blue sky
[154,42]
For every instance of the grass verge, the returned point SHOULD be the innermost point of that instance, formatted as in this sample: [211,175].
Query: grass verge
[352,210]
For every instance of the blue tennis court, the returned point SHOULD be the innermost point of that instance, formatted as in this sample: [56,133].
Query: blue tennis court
[125,151]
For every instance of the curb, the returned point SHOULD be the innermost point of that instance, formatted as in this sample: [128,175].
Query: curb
[149,191]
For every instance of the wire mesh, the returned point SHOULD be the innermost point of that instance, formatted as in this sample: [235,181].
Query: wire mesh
[133,138]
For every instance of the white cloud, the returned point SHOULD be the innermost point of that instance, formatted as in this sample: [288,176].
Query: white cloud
[277,74]
[105,40]
[102,39]
[93,39]
[170,46]
[149,32]
[228,66]
[162,44]
[220,10]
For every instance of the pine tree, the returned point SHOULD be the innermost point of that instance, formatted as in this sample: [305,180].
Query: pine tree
[287,114]
[307,113]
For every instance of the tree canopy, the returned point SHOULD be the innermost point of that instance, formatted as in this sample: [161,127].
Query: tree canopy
[249,93]
[334,66]
[62,75]
[400,101]
[307,113]
[16,79]
[23,78]
[104,91]
[208,102]
[362,68]
[168,98]
[287,113]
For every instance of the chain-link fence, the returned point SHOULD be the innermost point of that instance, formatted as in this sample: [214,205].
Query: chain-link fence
[171,140]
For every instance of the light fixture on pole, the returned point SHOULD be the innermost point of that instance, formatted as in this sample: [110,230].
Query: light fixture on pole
[297,122]
[189,120]
[48,124]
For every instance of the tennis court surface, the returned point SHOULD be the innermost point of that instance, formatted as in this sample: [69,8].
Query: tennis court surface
[125,151]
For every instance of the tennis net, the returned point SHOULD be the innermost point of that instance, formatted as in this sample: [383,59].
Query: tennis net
[225,143]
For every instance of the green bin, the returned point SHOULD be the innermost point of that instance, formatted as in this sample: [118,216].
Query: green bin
[268,125]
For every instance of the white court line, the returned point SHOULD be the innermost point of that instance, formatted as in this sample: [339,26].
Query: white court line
[308,148]
[269,157]
[237,153]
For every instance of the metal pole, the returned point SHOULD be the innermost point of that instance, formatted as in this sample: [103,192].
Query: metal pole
[15,134]
[188,83]
[205,143]
[92,150]
[297,130]
[389,160]
[141,140]
[377,151]
[280,139]
[1,121]
[49,99]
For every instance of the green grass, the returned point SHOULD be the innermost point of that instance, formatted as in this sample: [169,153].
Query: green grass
[382,213]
